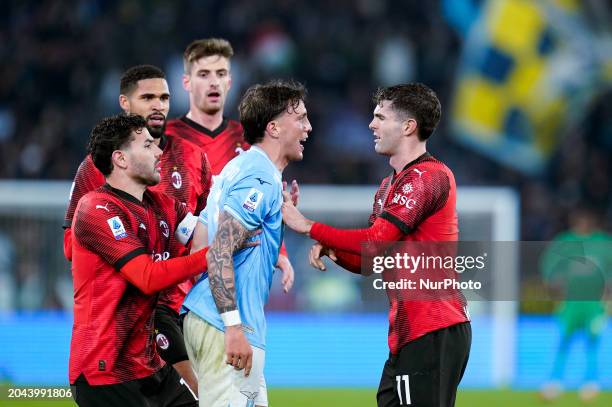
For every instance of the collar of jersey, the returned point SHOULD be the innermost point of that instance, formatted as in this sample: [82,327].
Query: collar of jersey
[210,133]
[416,160]
[260,151]
[410,164]
[124,195]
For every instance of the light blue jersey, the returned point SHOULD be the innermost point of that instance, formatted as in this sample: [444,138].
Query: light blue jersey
[250,189]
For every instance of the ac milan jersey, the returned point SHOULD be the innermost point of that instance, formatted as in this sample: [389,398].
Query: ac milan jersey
[185,175]
[112,334]
[420,200]
[220,145]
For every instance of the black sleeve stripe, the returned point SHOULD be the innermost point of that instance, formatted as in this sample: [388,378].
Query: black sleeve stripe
[125,259]
[397,222]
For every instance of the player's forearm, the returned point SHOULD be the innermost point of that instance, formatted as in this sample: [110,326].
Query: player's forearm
[349,261]
[351,240]
[221,277]
[230,236]
[150,277]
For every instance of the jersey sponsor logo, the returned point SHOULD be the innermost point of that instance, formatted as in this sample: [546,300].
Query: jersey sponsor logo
[262,181]
[254,198]
[105,207]
[162,341]
[407,188]
[419,172]
[117,227]
[177,180]
[404,200]
[160,256]
[164,228]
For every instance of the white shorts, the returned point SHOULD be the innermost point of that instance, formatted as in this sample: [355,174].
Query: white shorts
[219,384]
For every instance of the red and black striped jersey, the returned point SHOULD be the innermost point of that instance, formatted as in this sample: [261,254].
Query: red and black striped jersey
[421,201]
[220,145]
[112,334]
[185,175]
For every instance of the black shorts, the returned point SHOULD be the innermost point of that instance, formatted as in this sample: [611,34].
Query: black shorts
[169,335]
[163,389]
[426,372]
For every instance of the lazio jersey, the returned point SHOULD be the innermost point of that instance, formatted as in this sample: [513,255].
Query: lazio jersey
[250,189]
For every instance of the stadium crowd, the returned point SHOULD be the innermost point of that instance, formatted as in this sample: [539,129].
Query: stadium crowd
[62,60]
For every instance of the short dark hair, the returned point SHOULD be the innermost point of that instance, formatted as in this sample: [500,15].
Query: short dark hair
[262,103]
[206,48]
[109,135]
[130,78]
[416,101]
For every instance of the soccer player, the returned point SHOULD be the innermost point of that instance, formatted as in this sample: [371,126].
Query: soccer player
[208,79]
[225,327]
[578,263]
[429,340]
[122,245]
[185,175]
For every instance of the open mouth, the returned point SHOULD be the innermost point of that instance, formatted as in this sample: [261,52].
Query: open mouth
[302,141]
[214,95]
[156,120]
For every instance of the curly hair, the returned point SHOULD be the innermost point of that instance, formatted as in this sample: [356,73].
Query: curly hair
[109,135]
[262,103]
[413,100]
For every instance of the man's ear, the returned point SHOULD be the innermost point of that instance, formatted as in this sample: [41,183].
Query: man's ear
[409,126]
[124,103]
[186,82]
[272,129]
[119,159]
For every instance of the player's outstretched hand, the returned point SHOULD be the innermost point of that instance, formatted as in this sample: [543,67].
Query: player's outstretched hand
[286,268]
[294,192]
[237,349]
[292,217]
[316,252]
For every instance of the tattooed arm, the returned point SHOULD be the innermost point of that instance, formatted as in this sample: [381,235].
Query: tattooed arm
[230,236]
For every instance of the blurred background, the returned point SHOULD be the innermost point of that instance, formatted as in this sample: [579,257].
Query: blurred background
[527,129]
